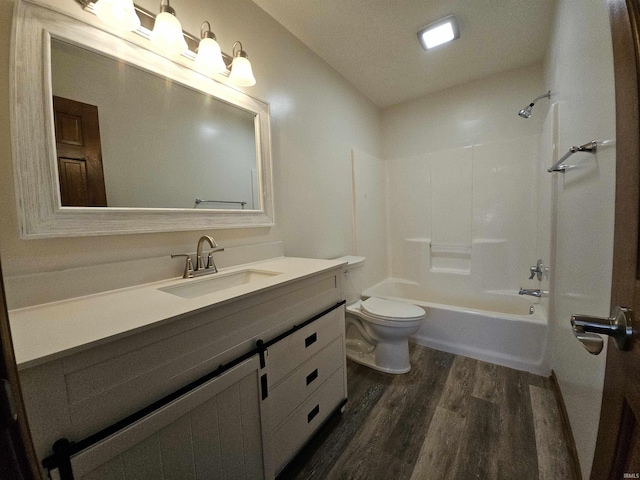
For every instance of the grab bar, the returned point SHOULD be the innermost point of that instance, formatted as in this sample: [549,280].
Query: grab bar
[199,201]
[559,166]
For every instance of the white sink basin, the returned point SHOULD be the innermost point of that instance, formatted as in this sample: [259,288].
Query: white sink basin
[216,282]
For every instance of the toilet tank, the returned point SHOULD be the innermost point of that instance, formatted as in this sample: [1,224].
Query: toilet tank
[352,283]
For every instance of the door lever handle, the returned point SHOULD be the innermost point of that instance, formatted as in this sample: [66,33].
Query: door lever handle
[588,329]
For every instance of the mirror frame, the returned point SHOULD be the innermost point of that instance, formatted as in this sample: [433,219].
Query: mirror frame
[40,212]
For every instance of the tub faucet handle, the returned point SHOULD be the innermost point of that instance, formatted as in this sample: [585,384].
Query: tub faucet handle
[537,269]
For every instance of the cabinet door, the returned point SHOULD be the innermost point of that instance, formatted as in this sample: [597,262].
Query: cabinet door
[214,431]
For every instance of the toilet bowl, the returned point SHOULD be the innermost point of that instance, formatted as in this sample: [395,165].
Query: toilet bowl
[382,331]
[377,330]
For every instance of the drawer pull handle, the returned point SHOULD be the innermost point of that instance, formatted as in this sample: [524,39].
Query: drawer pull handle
[313,413]
[310,340]
[312,376]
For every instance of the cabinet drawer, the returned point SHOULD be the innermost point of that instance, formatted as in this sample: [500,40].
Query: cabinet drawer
[306,419]
[305,380]
[285,355]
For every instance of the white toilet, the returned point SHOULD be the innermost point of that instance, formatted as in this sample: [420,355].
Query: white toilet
[377,330]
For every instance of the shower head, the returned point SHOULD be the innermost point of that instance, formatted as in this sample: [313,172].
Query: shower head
[526,111]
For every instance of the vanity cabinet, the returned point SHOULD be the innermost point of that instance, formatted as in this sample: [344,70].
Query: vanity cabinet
[252,414]
[307,371]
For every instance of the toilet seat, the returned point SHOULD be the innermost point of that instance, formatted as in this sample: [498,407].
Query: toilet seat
[389,312]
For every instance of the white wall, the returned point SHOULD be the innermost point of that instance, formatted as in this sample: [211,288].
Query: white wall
[462,177]
[370,216]
[317,118]
[579,71]
[483,111]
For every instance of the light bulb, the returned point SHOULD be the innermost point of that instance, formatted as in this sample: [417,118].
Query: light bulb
[119,14]
[241,72]
[209,59]
[167,34]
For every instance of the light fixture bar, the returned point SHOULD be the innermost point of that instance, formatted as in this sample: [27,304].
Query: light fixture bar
[439,32]
[147,20]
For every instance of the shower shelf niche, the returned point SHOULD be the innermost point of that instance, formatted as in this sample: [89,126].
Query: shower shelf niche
[451,258]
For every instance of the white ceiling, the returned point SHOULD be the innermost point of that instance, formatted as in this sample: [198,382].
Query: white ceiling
[373,43]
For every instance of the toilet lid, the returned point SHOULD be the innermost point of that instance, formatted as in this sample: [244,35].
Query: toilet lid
[391,309]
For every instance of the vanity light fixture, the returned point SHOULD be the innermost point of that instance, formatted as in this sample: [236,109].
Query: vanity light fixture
[167,32]
[209,59]
[439,32]
[119,14]
[241,72]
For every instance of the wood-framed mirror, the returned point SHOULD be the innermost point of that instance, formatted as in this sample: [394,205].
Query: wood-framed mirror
[214,172]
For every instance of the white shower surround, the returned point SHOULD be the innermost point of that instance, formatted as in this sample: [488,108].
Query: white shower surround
[494,327]
[462,228]
[465,217]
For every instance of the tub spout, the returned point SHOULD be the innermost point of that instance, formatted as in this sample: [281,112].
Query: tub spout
[533,293]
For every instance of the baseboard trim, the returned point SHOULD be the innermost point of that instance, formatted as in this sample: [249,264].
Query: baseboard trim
[566,428]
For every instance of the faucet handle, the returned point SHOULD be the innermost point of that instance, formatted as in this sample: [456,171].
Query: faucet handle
[188,266]
[537,269]
[210,262]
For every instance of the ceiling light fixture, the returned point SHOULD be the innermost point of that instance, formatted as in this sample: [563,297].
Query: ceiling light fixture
[439,32]
[118,14]
[209,60]
[241,72]
[167,32]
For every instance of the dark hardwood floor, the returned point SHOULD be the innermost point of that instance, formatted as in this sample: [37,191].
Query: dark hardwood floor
[451,417]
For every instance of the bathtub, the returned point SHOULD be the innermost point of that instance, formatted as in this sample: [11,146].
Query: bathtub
[496,327]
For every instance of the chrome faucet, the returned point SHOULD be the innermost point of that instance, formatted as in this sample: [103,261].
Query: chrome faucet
[211,265]
[533,293]
[212,243]
[201,268]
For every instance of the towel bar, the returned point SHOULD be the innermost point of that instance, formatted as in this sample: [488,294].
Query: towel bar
[559,166]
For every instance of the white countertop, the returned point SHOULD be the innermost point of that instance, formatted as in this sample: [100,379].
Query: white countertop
[45,332]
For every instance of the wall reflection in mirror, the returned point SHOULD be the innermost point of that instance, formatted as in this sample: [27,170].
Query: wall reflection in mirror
[126,137]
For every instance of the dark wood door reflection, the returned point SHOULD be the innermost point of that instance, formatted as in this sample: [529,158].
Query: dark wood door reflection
[79,154]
